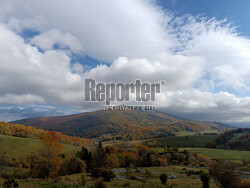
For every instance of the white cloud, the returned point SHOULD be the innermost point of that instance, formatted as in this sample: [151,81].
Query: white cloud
[23,69]
[107,29]
[225,52]
[48,40]
[21,99]
[200,105]
[204,61]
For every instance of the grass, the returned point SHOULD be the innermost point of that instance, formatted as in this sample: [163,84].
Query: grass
[152,180]
[17,147]
[221,154]
[186,141]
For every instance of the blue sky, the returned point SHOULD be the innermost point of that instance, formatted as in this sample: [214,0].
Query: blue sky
[49,47]
[236,12]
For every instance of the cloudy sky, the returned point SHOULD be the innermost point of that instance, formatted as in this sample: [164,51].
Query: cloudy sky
[202,51]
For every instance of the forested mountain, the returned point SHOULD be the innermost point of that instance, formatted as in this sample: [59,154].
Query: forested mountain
[122,124]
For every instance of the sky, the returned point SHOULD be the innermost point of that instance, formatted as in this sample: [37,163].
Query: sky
[201,48]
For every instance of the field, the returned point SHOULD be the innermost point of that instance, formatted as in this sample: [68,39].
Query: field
[149,179]
[146,176]
[221,154]
[197,141]
[16,146]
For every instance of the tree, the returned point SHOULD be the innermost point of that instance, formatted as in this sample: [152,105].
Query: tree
[100,154]
[130,158]
[84,155]
[224,174]
[111,161]
[47,162]
[205,178]
[73,165]
[10,182]
[83,179]
[164,178]
[130,172]
[106,173]
[100,183]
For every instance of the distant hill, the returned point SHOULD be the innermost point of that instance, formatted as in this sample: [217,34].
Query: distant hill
[123,124]
[237,139]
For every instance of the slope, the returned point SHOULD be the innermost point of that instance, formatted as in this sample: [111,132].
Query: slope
[122,124]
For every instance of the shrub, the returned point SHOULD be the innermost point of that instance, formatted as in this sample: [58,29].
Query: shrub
[9,183]
[210,145]
[164,178]
[205,178]
[83,179]
[112,161]
[130,172]
[72,166]
[175,162]
[147,171]
[105,173]
[224,174]
[160,162]
[202,164]
[100,184]
[244,184]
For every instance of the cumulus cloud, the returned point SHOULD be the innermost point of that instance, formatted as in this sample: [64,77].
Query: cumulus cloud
[225,52]
[107,29]
[205,62]
[21,99]
[49,39]
[25,70]
[200,105]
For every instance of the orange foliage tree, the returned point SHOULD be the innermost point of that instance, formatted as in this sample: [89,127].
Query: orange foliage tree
[47,163]
[32,132]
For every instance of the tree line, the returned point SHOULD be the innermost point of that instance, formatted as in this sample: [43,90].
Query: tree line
[32,132]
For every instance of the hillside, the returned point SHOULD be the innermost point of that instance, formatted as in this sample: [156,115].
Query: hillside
[17,147]
[33,132]
[190,141]
[238,139]
[221,153]
[122,124]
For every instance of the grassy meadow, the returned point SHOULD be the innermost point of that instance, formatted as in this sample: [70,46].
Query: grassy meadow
[17,146]
[221,153]
[187,141]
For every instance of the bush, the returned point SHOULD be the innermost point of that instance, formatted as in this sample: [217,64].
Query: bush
[224,174]
[202,164]
[205,178]
[147,171]
[9,183]
[130,173]
[72,166]
[111,161]
[160,162]
[105,173]
[83,179]
[100,184]
[164,178]
[175,162]
[244,184]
